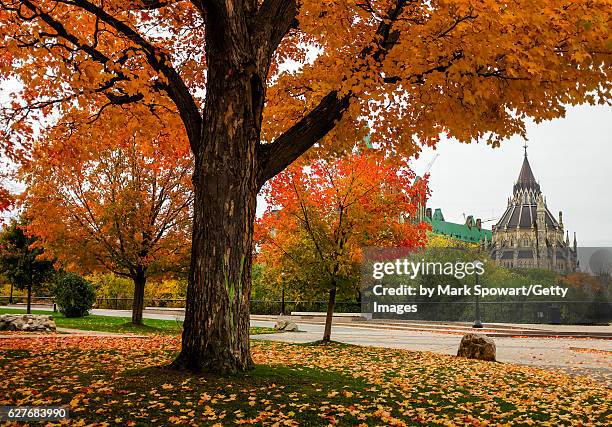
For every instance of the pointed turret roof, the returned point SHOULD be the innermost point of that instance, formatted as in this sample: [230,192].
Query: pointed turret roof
[526,175]
[523,207]
[526,179]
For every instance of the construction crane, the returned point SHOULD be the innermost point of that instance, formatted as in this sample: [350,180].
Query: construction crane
[430,164]
[482,221]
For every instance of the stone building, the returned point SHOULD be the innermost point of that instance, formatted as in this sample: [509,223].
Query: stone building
[528,235]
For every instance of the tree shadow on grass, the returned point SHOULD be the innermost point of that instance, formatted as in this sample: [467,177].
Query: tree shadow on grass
[270,389]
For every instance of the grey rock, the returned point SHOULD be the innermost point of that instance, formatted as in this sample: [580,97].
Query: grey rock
[27,322]
[291,327]
[280,325]
[286,326]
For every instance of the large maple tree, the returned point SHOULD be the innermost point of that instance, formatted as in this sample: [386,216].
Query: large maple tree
[114,195]
[257,83]
[321,216]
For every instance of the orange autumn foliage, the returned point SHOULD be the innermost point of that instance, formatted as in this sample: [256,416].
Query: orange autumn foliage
[344,204]
[334,384]
[322,215]
[115,195]
[470,68]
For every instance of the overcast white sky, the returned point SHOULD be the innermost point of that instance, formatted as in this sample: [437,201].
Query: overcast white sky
[571,158]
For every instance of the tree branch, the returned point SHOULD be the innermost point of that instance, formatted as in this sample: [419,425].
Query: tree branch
[274,20]
[153,4]
[301,136]
[175,86]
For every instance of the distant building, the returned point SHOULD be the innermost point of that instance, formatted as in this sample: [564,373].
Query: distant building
[527,235]
[471,231]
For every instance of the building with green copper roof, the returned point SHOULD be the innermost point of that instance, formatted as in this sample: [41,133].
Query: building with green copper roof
[471,231]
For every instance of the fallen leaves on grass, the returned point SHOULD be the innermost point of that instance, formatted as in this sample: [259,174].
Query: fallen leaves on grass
[118,381]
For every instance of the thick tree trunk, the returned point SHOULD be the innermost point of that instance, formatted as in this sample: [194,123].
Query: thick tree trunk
[11,295]
[140,280]
[330,313]
[216,328]
[226,183]
[29,305]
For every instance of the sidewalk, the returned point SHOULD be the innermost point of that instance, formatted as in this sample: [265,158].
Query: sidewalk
[352,320]
[67,333]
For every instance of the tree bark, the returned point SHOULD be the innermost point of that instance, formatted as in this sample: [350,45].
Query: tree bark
[226,182]
[330,313]
[216,329]
[29,304]
[11,295]
[140,280]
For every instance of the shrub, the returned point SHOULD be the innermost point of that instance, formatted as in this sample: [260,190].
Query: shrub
[74,295]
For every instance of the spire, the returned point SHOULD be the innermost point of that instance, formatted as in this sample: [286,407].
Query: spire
[526,179]
[526,174]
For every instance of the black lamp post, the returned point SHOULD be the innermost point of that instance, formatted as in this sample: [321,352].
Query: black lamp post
[282,293]
[477,321]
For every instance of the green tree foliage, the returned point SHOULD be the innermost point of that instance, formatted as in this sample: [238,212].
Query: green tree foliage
[21,261]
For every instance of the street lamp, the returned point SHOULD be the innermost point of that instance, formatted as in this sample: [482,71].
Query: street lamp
[282,293]
[477,321]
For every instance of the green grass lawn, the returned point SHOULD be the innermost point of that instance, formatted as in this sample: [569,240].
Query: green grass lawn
[125,381]
[118,324]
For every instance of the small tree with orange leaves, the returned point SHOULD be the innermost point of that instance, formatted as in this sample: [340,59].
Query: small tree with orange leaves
[115,195]
[321,216]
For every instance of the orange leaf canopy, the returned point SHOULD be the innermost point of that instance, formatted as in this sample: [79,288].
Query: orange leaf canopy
[475,69]
[113,195]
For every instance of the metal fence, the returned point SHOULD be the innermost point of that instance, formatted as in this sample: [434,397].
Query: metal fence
[257,306]
[19,299]
[276,307]
[563,312]
[126,303]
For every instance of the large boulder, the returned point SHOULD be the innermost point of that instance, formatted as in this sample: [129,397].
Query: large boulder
[286,326]
[477,346]
[27,322]
[291,327]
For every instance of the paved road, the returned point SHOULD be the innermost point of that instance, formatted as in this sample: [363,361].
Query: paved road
[577,356]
